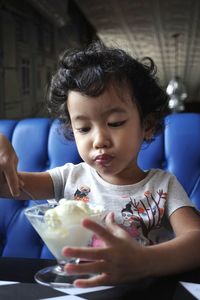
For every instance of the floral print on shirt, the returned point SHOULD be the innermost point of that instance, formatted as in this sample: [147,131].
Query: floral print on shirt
[143,215]
[139,216]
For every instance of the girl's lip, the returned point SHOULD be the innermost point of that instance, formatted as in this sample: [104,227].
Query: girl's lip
[103,159]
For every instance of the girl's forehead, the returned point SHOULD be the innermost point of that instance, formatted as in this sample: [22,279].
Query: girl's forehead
[83,108]
[110,95]
[105,104]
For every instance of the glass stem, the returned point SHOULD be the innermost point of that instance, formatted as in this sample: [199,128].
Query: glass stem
[62,262]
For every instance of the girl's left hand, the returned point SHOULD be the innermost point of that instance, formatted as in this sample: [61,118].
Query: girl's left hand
[122,259]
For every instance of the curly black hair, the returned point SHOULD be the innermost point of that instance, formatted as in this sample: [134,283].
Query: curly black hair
[89,71]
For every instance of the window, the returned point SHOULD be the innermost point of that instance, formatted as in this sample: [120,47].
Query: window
[39,79]
[25,76]
[21,31]
[48,75]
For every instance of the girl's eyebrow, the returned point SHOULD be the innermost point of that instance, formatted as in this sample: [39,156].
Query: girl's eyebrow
[115,110]
[118,110]
[79,118]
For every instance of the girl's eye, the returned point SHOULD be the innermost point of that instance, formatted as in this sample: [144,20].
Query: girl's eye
[83,130]
[117,124]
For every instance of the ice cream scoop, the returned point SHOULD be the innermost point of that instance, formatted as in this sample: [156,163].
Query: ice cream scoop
[68,212]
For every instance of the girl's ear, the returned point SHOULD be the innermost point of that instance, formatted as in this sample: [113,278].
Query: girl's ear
[149,128]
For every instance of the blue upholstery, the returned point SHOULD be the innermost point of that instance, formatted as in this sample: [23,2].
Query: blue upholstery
[40,145]
[177,150]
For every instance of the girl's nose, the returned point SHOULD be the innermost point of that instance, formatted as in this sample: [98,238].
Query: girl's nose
[101,139]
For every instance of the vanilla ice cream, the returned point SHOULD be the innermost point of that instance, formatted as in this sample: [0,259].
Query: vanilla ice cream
[68,212]
[62,225]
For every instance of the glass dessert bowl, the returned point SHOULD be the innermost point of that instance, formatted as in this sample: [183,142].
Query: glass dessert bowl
[60,226]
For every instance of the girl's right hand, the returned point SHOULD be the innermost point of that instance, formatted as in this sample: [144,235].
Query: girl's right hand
[8,167]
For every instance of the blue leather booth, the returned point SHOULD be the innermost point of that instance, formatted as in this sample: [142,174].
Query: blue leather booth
[40,145]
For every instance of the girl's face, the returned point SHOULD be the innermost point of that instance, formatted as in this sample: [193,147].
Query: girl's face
[108,133]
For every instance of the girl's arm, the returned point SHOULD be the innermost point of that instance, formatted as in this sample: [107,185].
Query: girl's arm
[182,252]
[38,185]
[123,259]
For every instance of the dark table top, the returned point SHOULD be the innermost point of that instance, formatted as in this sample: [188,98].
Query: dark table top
[22,270]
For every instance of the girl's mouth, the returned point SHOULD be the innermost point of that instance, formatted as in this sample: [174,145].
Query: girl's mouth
[104,160]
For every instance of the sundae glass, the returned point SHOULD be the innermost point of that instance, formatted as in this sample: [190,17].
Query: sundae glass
[59,226]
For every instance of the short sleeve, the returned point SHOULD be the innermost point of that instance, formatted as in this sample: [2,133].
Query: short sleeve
[177,196]
[59,176]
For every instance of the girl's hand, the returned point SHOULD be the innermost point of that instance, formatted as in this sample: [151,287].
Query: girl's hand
[121,260]
[8,167]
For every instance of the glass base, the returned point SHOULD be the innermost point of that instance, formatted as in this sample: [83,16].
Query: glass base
[55,277]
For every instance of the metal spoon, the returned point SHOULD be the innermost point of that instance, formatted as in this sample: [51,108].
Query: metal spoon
[30,195]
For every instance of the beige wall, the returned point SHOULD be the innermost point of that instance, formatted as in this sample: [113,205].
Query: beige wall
[29,48]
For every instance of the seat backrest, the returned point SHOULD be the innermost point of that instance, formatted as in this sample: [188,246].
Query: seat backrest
[40,145]
[177,150]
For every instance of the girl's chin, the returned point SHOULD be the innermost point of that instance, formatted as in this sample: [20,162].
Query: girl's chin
[104,172]
[110,177]
[106,169]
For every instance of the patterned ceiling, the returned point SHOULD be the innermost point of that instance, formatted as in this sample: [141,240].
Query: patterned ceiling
[146,28]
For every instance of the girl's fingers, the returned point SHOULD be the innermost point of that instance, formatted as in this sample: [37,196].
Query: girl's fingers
[113,227]
[109,234]
[101,279]
[12,180]
[8,165]
[87,253]
[87,267]
[99,230]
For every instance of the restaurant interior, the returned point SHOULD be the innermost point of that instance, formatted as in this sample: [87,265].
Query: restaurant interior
[33,35]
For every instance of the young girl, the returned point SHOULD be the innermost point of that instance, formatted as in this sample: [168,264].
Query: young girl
[111,103]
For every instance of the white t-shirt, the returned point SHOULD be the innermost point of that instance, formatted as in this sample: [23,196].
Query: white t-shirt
[143,208]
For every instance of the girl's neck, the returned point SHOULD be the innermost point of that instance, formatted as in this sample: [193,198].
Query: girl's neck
[135,177]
